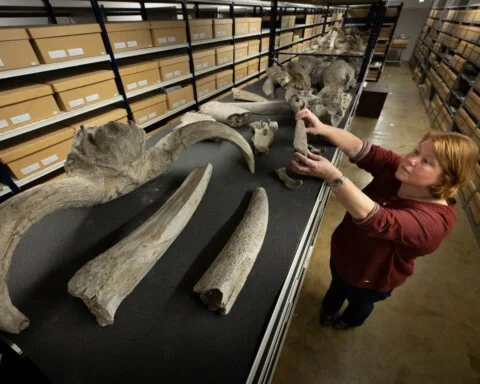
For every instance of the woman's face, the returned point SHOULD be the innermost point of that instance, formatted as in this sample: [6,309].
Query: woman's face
[420,167]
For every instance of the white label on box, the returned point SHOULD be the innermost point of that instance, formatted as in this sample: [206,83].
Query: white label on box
[176,104]
[253,29]
[143,119]
[3,124]
[120,45]
[195,36]
[20,118]
[204,65]
[30,168]
[93,97]
[57,54]
[172,39]
[177,73]
[1,63]
[76,102]
[202,35]
[162,40]
[169,75]
[152,115]
[132,86]
[182,101]
[49,159]
[132,43]
[142,83]
[76,52]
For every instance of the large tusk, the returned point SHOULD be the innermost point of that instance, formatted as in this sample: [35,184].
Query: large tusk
[265,107]
[229,114]
[300,138]
[240,94]
[223,281]
[192,117]
[104,282]
[104,163]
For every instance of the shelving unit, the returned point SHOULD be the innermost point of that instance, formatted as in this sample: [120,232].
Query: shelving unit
[446,66]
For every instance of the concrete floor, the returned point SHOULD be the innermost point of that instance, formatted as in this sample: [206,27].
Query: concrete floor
[428,331]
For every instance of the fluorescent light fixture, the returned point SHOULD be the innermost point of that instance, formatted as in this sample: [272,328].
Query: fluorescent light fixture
[421,1]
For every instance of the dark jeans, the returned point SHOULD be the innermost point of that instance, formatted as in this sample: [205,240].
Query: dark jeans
[360,300]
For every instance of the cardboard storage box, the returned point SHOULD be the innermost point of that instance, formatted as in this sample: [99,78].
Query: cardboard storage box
[286,38]
[253,66]
[203,59]
[287,21]
[147,108]
[206,85]
[75,90]
[129,36]
[253,47]
[241,50]
[265,44]
[13,41]
[222,27]
[58,43]
[178,96]
[224,78]
[201,29]
[472,101]
[254,24]
[168,32]
[242,25]
[308,32]
[310,19]
[263,62]
[174,66]
[386,31]
[24,103]
[99,117]
[30,153]
[241,71]
[224,54]
[356,12]
[137,76]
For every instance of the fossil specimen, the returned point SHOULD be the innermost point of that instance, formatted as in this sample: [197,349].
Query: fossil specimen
[227,113]
[240,94]
[263,134]
[287,180]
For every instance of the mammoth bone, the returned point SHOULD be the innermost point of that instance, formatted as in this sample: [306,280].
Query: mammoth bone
[240,94]
[222,282]
[105,162]
[104,282]
[287,180]
[230,114]
[263,134]
[192,117]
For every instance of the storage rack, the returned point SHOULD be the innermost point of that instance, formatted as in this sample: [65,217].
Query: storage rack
[386,34]
[446,66]
[144,10]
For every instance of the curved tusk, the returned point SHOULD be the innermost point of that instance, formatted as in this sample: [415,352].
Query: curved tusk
[223,281]
[104,282]
[287,180]
[227,113]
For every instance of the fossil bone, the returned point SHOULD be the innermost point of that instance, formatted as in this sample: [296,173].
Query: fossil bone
[192,117]
[276,76]
[104,163]
[287,180]
[223,281]
[240,94]
[227,113]
[263,134]
[104,282]
[300,138]
[265,107]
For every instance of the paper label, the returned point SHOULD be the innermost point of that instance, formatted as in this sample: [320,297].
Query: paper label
[182,101]
[202,35]
[152,115]
[172,39]
[143,119]
[3,124]
[132,43]
[204,65]
[76,102]
[57,54]
[93,97]
[30,168]
[169,75]
[253,29]
[142,83]
[177,73]
[49,159]
[162,40]
[132,86]
[195,36]
[76,52]
[206,91]
[1,63]
[120,45]
[176,104]
[20,118]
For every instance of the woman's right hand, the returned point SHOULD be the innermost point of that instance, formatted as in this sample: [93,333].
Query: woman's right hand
[312,123]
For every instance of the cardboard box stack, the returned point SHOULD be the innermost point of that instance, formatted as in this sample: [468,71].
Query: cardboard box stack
[172,67]
[224,78]
[138,76]
[148,107]
[201,29]
[58,43]
[13,41]
[241,71]
[222,27]
[206,85]
[287,21]
[224,54]
[242,26]
[203,59]
[129,36]
[32,152]
[472,101]
[168,32]
[24,103]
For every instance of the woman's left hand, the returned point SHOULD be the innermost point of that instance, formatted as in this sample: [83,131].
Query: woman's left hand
[314,166]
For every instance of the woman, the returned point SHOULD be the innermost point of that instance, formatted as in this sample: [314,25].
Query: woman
[405,212]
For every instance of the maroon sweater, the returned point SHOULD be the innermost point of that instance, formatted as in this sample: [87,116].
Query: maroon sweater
[379,252]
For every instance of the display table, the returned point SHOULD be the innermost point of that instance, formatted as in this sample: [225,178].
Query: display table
[162,331]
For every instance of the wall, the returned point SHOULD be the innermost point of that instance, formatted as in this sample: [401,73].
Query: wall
[411,23]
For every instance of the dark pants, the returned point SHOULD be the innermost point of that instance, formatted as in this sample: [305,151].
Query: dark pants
[360,300]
